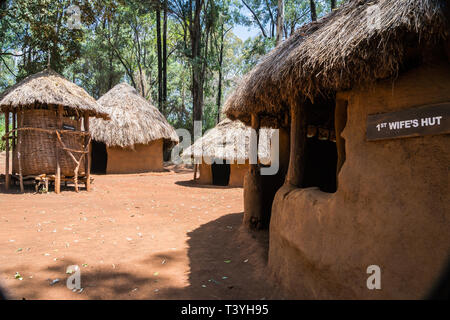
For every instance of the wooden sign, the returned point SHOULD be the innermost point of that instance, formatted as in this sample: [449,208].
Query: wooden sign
[421,121]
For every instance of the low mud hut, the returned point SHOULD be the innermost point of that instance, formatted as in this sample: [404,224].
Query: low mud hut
[134,138]
[50,138]
[374,222]
[222,155]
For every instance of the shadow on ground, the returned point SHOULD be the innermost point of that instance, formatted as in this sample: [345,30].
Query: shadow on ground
[225,262]
[194,184]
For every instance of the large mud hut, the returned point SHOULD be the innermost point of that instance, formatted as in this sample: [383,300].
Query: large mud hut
[376,74]
[134,138]
[222,155]
[50,139]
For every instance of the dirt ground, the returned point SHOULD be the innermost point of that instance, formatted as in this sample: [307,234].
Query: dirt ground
[136,236]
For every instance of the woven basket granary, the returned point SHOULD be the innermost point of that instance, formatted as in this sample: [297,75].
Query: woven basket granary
[38,149]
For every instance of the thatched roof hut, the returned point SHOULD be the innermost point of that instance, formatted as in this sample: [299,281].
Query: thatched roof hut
[50,88]
[230,141]
[359,43]
[367,200]
[222,155]
[134,120]
[50,129]
[134,123]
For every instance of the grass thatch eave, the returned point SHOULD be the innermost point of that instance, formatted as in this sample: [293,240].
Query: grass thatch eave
[340,51]
[229,140]
[133,120]
[50,88]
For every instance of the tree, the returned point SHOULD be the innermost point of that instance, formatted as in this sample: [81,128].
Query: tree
[333,4]
[312,5]
[280,21]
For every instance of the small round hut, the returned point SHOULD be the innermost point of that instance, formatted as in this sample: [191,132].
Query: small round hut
[222,155]
[134,138]
[50,139]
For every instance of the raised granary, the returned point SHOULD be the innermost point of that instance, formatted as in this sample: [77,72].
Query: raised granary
[134,138]
[365,185]
[49,132]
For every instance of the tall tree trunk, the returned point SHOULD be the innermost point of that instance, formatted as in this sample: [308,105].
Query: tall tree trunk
[219,89]
[333,5]
[164,60]
[280,21]
[312,5]
[159,53]
[197,81]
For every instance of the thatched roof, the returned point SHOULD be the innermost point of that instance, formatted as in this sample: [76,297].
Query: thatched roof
[338,52]
[49,88]
[133,120]
[229,140]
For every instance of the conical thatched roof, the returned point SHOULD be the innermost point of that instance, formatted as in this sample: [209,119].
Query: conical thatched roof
[229,140]
[362,41]
[50,88]
[133,120]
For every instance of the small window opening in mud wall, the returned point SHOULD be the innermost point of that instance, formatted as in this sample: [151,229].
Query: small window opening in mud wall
[99,157]
[325,149]
[220,173]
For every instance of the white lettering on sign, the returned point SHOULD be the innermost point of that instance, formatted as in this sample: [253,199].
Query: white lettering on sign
[407,124]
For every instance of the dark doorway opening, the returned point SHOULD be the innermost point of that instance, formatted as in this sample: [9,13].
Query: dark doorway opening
[220,173]
[321,156]
[99,157]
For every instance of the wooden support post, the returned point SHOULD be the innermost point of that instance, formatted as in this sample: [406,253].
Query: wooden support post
[253,190]
[254,168]
[87,160]
[59,111]
[7,175]
[195,171]
[19,151]
[14,141]
[340,121]
[297,144]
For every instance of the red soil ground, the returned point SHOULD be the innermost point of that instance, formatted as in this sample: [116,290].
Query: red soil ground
[143,236]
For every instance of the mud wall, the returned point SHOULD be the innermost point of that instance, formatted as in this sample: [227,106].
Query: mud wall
[205,174]
[237,174]
[144,158]
[391,209]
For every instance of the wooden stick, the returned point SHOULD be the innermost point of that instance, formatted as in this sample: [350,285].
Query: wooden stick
[87,168]
[58,166]
[297,144]
[19,153]
[7,177]
[195,171]
[14,136]
[6,136]
[254,148]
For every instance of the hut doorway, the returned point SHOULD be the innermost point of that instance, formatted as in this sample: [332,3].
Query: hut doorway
[220,173]
[99,157]
[321,153]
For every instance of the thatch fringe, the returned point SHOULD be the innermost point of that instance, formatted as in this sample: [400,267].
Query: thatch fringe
[339,51]
[230,140]
[133,120]
[49,88]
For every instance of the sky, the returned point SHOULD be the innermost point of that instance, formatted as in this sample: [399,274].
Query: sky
[244,32]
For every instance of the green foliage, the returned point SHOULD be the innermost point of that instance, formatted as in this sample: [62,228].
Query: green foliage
[117,42]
